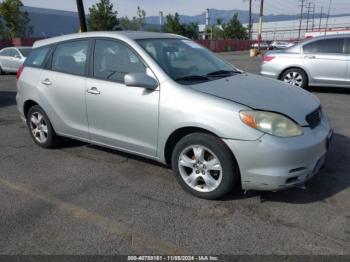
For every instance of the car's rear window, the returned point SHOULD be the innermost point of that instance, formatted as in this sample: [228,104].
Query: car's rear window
[37,56]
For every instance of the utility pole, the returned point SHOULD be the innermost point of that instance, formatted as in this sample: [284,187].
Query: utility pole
[319,25]
[260,23]
[301,17]
[329,10]
[308,15]
[313,15]
[82,18]
[250,20]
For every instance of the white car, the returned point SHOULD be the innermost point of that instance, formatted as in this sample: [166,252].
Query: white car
[263,45]
[11,58]
[280,45]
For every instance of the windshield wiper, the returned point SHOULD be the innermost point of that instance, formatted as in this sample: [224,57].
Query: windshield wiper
[223,72]
[192,78]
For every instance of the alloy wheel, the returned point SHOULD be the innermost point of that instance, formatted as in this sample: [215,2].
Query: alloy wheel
[200,168]
[38,127]
[294,78]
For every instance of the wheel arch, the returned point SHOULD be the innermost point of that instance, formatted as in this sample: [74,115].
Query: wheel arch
[27,105]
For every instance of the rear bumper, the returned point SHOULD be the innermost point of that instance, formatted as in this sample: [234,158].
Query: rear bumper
[272,163]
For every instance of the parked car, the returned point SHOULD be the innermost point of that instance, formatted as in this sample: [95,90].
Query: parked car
[167,98]
[320,61]
[263,45]
[280,45]
[11,58]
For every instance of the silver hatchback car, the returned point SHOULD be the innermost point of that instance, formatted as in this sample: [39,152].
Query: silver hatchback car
[319,61]
[167,98]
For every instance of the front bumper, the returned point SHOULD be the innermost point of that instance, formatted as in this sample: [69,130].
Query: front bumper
[271,163]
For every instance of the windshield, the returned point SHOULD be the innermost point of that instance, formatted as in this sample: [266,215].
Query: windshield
[25,51]
[185,61]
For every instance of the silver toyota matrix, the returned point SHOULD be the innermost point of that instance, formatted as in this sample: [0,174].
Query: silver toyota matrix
[167,98]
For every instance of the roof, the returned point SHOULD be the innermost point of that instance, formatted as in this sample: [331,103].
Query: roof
[113,34]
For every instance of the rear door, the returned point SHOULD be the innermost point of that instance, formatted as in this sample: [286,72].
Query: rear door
[325,61]
[63,85]
[16,60]
[5,59]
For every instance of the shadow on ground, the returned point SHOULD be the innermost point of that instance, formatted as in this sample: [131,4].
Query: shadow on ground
[331,180]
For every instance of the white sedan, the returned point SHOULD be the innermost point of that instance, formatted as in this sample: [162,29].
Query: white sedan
[11,58]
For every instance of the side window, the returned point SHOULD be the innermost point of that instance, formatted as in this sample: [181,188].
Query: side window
[113,60]
[37,57]
[70,57]
[6,52]
[334,46]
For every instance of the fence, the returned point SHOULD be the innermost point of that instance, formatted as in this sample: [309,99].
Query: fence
[226,45]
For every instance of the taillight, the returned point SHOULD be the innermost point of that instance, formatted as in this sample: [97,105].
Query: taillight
[267,58]
[19,71]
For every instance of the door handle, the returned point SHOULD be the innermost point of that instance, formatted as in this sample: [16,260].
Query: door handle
[310,57]
[46,82]
[93,90]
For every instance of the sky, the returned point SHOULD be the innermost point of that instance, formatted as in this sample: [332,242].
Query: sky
[194,7]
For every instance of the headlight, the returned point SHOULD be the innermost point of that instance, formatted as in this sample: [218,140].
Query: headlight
[271,123]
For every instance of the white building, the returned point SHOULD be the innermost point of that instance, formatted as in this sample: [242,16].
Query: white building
[285,30]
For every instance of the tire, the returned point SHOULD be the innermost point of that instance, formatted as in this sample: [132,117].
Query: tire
[296,77]
[2,72]
[41,129]
[204,166]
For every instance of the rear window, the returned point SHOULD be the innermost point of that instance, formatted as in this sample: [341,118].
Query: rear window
[37,56]
[333,46]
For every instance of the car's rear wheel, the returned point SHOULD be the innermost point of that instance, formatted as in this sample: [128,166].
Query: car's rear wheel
[40,128]
[204,166]
[295,77]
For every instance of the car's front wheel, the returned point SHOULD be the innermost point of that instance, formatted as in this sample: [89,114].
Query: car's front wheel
[204,166]
[41,129]
[295,77]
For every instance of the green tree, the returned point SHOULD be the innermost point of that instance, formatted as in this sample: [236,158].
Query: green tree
[174,26]
[136,23]
[15,22]
[234,29]
[102,17]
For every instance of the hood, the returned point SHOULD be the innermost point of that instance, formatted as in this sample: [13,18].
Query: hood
[262,93]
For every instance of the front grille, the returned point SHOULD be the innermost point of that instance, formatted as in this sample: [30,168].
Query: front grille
[314,118]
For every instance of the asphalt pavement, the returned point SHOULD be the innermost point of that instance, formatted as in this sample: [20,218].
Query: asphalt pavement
[84,199]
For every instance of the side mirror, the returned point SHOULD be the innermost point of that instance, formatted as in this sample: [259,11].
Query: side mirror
[17,56]
[140,80]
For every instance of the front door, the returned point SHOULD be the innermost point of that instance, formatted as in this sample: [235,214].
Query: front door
[120,116]
[326,61]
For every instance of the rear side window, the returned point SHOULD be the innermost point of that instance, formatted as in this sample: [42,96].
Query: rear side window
[6,52]
[37,57]
[334,46]
[70,57]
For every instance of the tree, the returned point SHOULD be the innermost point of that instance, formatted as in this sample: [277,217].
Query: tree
[174,26]
[136,23]
[234,29]
[15,22]
[102,17]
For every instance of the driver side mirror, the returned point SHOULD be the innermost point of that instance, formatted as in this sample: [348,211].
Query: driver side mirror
[17,56]
[140,80]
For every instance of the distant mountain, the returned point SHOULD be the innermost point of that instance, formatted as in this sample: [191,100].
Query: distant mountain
[50,22]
